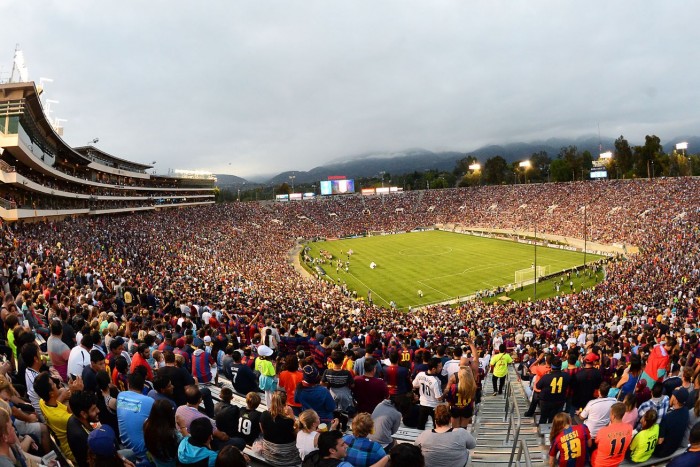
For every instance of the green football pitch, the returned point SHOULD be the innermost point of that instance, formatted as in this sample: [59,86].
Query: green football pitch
[443,265]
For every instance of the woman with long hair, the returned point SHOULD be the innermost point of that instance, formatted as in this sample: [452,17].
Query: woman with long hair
[568,442]
[630,377]
[289,378]
[307,434]
[460,395]
[161,434]
[279,435]
[630,410]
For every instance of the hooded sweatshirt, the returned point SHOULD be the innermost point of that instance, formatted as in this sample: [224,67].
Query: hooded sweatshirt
[189,454]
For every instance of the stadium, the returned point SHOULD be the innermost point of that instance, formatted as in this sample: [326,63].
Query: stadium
[92,244]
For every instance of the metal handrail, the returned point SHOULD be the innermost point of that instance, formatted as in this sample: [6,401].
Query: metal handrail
[522,448]
[514,420]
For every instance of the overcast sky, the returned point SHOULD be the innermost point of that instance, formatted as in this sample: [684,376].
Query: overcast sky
[261,86]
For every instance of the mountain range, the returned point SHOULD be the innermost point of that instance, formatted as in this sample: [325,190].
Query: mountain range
[370,164]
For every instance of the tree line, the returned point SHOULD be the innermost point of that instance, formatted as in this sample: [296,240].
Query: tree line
[626,161]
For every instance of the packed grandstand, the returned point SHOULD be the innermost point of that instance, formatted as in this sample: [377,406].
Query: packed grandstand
[146,310]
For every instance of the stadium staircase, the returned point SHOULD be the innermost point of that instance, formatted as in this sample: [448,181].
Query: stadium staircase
[419,200]
[503,437]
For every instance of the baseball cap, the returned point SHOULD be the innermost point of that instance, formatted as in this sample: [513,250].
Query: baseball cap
[264,351]
[681,395]
[591,358]
[101,441]
[310,374]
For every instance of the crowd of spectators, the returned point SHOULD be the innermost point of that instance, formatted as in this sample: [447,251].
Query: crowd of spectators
[140,313]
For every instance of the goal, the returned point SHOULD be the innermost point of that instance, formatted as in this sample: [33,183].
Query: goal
[528,275]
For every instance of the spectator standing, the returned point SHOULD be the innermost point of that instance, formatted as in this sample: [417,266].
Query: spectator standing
[289,378]
[658,362]
[585,381]
[338,381]
[243,378]
[264,366]
[58,351]
[552,387]
[430,391]
[499,368]
[313,396]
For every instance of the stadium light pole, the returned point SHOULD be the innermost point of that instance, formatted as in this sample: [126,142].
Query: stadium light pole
[585,234]
[535,292]
[476,167]
[292,177]
[382,173]
[683,146]
[525,165]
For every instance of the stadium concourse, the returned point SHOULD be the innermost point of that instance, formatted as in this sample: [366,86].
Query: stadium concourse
[164,294]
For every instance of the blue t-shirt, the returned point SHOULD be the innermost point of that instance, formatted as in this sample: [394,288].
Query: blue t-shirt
[132,411]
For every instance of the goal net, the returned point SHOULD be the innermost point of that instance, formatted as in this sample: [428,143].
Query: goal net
[528,275]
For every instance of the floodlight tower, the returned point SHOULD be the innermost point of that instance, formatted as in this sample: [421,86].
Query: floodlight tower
[683,146]
[476,167]
[525,165]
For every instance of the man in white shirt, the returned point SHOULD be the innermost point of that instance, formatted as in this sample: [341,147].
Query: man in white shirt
[596,414]
[452,366]
[430,391]
[79,357]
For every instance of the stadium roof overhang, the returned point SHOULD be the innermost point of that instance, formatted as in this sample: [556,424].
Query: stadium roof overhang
[86,150]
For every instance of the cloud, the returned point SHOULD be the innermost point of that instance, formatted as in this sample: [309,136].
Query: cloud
[267,86]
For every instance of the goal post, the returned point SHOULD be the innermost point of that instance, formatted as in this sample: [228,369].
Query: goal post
[527,275]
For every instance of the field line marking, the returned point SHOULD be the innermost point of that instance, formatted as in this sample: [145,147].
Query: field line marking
[431,287]
[369,288]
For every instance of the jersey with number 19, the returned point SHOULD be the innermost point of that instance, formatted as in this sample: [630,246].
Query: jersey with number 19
[571,445]
[429,389]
